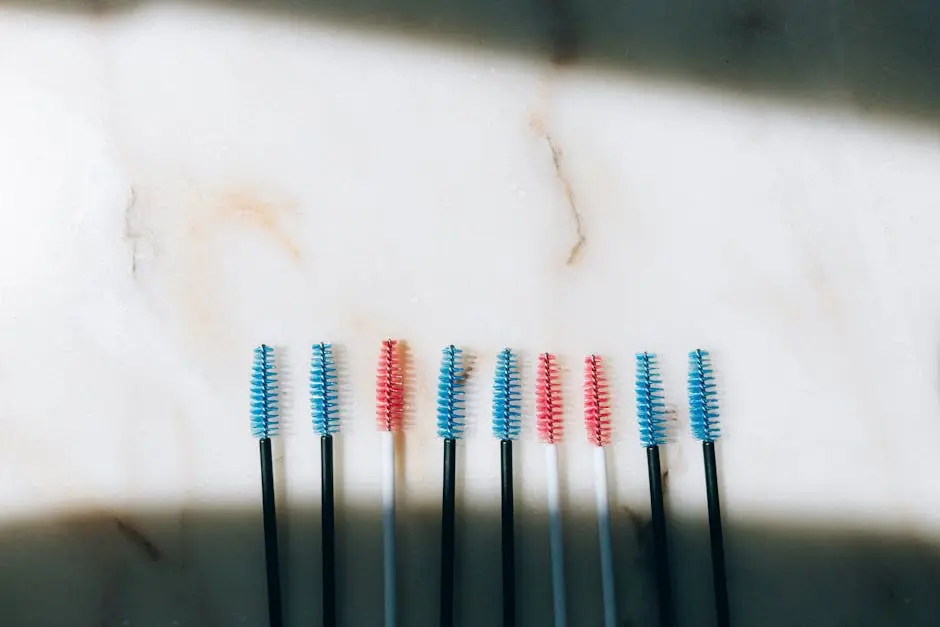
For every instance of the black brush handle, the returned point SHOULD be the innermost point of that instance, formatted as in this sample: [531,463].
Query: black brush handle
[272,563]
[509,549]
[328,531]
[660,549]
[447,533]
[717,538]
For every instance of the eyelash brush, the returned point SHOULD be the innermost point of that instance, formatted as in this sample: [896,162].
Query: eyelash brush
[550,424]
[703,416]
[390,411]
[651,418]
[264,426]
[597,422]
[324,410]
[450,408]
[507,415]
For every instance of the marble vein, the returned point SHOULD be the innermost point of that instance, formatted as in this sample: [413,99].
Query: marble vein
[574,254]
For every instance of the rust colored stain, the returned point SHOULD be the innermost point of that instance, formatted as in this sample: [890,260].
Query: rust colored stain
[470,362]
[211,216]
[361,324]
[262,215]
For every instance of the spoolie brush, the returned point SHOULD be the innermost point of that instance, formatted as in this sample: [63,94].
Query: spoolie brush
[597,422]
[390,411]
[507,415]
[324,410]
[450,416]
[703,416]
[550,423]
[264,426]
[651,417]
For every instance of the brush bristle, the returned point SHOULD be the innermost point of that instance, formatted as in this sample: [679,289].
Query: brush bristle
[596,401]
[507,399]
[324,402]
[450,394]
[390,387]
[703,397]
[548,400]
[650,403]
[264,394]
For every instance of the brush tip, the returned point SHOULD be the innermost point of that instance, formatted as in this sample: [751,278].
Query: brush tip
[548,400]
[596,401]
[507,399]
[703,397]
[390,387]
[264,394]
[324,397]
[650,401]
[451,384]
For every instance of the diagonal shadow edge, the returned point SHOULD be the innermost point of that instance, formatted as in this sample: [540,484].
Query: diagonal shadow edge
[873,57]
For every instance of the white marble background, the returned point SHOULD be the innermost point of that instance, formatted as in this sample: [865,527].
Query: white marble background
[182,181]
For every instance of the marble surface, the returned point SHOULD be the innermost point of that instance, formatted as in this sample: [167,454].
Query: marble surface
[182,181]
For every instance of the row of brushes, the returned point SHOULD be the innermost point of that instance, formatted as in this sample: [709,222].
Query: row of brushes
[651,420]
[506,427]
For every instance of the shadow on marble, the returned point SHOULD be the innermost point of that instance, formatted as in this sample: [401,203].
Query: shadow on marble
[204,566]
[874,56]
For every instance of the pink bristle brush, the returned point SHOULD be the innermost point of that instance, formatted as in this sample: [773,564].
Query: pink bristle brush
[550,423]
[597,422]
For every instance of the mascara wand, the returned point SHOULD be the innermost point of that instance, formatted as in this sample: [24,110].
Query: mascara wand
[450,415]
[324,410]
[703,416]
[550,422]
[651,417]
[507,415]
[597,422]
[264,425]
[390,411]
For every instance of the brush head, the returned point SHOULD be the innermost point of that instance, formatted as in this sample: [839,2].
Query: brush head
[548,400]
[450,394]
[390,387]
[507,398]
[324,402]
[596,401]
[264,394]
[650,403]
[703,397]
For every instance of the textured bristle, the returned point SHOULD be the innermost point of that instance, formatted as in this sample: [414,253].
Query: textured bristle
[390,388]
[650,403]
[596,401]
[450,394]
[507,400]
[548,400]
[703,397]
[324,402]
[264,395]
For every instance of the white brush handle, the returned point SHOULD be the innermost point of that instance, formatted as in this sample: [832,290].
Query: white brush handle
[555,536]
[603,532]
[388,526]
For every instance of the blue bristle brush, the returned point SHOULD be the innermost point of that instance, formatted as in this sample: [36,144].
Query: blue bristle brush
[703,416]
[264,426]
[651,418]
[507,416]
[450,424]
[324,411]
